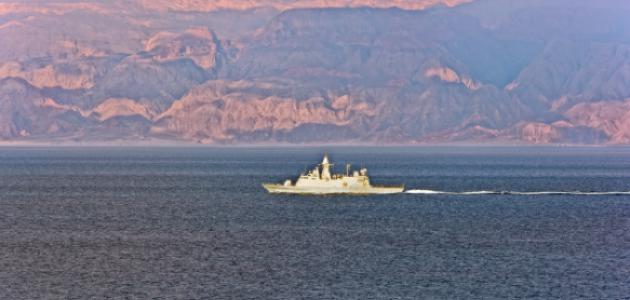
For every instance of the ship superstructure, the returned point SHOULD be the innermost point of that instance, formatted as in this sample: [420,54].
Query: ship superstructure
[320,180]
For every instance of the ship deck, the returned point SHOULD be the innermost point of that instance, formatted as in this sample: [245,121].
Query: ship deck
[283,189]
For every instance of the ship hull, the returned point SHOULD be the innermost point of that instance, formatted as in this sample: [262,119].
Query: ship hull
[310,190]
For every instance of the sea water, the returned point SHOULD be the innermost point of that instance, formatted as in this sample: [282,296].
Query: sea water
[195,223]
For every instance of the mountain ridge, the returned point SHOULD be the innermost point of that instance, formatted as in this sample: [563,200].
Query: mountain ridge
[529,72]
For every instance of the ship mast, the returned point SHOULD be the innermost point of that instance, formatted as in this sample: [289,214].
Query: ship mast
[326,167]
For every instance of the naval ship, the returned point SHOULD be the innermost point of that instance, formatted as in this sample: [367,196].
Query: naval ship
[320,181]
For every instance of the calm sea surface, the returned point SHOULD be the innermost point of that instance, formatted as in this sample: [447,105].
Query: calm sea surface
[195,223]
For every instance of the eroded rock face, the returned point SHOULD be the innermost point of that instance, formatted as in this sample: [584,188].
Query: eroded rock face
[449,75]
[211,113]
[198,44]
[610,117]
[68,75]
[25,113]
[112,108]
[539,133]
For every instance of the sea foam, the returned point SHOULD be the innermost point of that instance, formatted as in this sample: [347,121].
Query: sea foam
[530,193]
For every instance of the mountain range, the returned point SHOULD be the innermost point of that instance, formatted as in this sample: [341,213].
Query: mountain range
[335,71]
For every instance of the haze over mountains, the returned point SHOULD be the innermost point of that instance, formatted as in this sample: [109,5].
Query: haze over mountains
[522,71]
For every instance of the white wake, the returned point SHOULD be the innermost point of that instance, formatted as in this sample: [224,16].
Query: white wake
[577,193]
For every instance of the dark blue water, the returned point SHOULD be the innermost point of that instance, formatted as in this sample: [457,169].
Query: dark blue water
[195,223]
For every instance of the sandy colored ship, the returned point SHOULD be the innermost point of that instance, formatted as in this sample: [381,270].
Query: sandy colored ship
[320,181]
